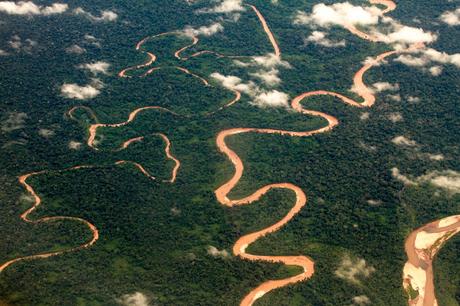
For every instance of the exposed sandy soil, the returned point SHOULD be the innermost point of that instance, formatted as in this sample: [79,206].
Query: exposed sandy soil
[421,247]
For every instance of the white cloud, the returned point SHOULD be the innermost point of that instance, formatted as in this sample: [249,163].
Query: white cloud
[261,97]
[270,60]
[452,18]
[350,16]
[436,157]
[426,57]
[448,180]
[273,98]
[92,40]
[404,141]
[75,91]
[15,121]
[235,83]
[354,269]
[413,99]
[435,70]
[214,252]
[384,86]
[20,45]
[30,8]
[408,35]
[75,49]
[46,133]
[395,97]
[227,6]
[204,30]
[269,77]
[339,14]
[267,73]
[74,145]
[134,299]
[56,8]
[96,67]
[268,65]
[319,38]
[361,300]
[106,15]
[373,202]
[364,116]
[395,117]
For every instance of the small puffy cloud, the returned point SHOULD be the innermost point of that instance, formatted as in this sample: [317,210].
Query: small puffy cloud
[384,86]
[204,30]
[234,83]
[412,99]
[373,202]
[395,117]
[15,121]
[396,173]
[408,35]
[46,133]
[75,49]
[74,145]
[395,97]
[273,98]
[353,270]
[226,6]
[452,18]
[134,299]
[270,60]
[364,116]
[30,8]
[320,38]
[215,252]
[96,67]
[361,300]
[106,15]
[269,77]
[436,157]
[435,70]
[20,45]
[404,141]
[75,91]
[92,40]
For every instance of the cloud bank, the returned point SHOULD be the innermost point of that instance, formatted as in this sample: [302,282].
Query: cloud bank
[349,16]
[30,8]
